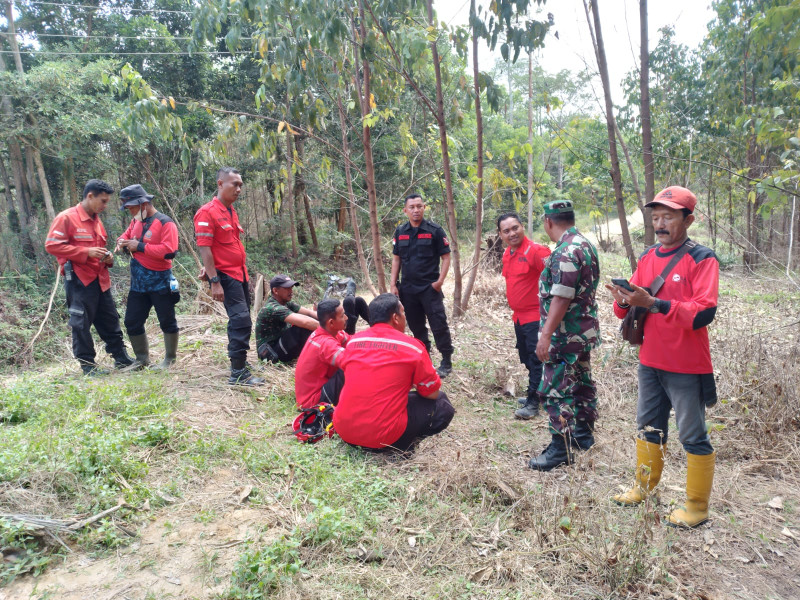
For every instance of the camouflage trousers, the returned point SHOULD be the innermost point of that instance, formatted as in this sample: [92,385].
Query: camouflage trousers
[568,391]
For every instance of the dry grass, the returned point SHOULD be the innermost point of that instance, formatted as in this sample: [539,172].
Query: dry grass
[467,519]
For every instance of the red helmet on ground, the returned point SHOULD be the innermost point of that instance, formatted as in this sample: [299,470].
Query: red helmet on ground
[314,423]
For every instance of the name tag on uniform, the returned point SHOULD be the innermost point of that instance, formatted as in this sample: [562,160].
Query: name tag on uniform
[403,237]
[425,236]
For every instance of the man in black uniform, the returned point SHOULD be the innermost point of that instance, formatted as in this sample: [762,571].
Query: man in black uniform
[418,247]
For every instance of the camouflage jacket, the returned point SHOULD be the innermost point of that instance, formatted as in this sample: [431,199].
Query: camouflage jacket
[572,271]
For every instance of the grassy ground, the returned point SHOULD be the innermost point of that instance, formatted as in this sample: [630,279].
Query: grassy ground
[220,501]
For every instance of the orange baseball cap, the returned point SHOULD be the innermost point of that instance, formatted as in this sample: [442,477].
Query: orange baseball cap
[676,197]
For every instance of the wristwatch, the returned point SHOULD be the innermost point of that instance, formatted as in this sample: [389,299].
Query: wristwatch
[214,279]
[659,306]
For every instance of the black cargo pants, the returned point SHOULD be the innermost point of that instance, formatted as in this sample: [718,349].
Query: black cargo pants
[427,303]
[237,305]
[88,305]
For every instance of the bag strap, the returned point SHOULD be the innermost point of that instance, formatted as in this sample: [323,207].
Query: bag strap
[660,279]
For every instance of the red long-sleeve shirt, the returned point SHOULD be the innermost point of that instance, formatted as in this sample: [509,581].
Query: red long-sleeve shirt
[217,227]
[71,235]
[160,241]
[678,340]
[521,270]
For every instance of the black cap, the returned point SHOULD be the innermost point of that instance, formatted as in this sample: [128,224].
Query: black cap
[134,195]
[282,281]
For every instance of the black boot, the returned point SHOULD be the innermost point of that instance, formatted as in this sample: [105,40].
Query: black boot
[583,436]
[241,375]
[93,369]
[122,360]
[529,410]
[446,366]
[556,454]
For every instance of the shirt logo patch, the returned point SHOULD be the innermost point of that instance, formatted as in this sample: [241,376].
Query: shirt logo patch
[148,235]
[446,243]
[403,237]
[676,278]
[202,224]
[82,229]
[425,236]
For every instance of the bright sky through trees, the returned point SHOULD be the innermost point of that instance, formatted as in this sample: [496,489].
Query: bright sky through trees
[620,18]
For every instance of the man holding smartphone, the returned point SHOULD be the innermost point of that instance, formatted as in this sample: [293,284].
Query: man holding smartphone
[78,240]
[675,368]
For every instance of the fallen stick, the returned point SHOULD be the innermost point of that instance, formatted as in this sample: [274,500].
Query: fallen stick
[97,517]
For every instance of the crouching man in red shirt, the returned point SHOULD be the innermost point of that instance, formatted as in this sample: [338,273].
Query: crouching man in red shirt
[318,376]
[377,408]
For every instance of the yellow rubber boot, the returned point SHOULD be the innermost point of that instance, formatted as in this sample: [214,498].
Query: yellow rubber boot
[649,464]
[699,477]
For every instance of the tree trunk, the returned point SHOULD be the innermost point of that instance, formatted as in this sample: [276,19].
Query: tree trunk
[647,131]
[458,308]
[48,200]
[631,169]
[300,189]
[510,115]
[616,176]
[362,260]
[530,142]
[476,255]
[289,194]
[365,97]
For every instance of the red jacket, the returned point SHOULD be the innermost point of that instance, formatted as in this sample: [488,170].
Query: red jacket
[218,227]
[159,245]
[71,235]
[678,340]
[316,365]
[381,365]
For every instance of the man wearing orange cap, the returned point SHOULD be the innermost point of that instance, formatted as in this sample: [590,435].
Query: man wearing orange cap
[675,360]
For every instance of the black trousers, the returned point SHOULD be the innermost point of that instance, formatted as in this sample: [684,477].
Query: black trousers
[333,388]
[426,417]
[354,307]
[88,305]
[290,344]
[139,305]
[527,338]
[427,304]
[237,305]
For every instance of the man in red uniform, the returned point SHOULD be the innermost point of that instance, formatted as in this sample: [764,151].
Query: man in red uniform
[675,360]
[523,262]
[217,232]
[318,376]
[151,240]
[377,408]
[78,239]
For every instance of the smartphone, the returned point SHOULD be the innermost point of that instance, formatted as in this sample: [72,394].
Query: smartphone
[623,283]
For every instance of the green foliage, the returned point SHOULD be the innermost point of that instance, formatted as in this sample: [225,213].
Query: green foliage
[25,552]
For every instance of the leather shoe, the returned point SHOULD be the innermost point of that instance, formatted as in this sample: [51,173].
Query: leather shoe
[555,455]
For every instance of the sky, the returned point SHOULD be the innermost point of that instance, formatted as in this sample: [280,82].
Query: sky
[620,23]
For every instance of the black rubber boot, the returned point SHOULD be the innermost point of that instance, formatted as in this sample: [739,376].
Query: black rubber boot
[446,366]
[170,351]
[93,370]
[555,455]
[141,349]
[241,375]
[123,361]
[583,436]
[529,410]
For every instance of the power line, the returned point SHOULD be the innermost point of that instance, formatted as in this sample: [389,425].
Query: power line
[27,35]
[57,53]
[139,10]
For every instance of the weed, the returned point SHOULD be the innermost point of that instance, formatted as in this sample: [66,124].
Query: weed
[22,552]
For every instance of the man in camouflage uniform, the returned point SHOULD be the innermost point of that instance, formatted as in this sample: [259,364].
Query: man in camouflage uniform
[568,331]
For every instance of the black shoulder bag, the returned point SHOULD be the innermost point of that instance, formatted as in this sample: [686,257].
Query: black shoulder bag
[632,328]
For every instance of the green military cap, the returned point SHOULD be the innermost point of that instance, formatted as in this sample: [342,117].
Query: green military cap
[558,207]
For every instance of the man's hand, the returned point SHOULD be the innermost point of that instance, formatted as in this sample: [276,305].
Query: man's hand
[638,297]
[615,291]
[217,292]
[202,276]
[395,291]
[98,253]
[131,245]
[108,258]
[543,347]
[437,285]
